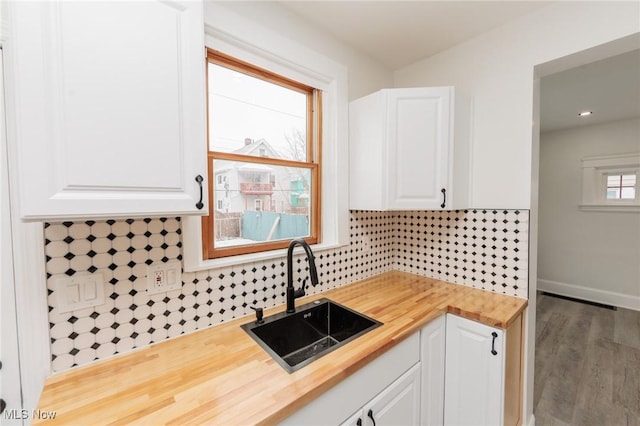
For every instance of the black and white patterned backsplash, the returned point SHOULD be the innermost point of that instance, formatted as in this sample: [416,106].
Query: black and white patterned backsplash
[485,249]
[481,248]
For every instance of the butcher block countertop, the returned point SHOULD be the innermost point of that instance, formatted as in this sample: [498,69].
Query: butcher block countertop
[221,376]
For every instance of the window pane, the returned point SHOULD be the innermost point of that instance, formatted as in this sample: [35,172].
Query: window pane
[255,117]
[259,202]
[613,193]
[613,180]
[628,180]
[628,193]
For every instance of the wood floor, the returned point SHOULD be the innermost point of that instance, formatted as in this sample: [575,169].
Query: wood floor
[587,366]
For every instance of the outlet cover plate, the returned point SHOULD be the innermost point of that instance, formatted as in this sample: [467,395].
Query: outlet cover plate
[164,276]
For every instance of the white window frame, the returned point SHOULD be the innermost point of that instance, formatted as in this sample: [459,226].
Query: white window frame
[595,170]
[248,41]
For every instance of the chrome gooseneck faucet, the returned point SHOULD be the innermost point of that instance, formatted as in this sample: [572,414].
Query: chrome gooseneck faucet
[292,294]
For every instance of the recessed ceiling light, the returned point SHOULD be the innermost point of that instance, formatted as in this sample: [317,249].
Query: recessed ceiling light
[585,113]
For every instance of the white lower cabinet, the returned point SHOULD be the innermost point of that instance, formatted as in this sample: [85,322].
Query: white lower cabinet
[432,358]
[475,365]
[453,372]
[365,386]
[398,404]
[483,384]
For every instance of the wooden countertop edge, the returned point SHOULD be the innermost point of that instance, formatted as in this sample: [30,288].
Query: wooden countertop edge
[464,301]
[486,319]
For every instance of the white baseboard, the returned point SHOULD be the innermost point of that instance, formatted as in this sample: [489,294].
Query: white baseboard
[593,295]
[532,421]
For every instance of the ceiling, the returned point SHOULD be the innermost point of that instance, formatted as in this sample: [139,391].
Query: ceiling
[399,33]
[610,88]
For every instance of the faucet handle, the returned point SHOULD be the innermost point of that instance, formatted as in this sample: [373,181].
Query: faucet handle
[300,292]
[259,314]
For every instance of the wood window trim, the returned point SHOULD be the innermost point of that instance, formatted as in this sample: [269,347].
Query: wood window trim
[313,163]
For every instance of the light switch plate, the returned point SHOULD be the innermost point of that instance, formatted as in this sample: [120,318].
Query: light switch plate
[79,291]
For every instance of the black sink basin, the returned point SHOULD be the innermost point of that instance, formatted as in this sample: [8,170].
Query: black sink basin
[315,329]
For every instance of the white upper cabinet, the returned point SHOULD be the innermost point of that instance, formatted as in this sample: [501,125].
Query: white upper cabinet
[106,113]
[409,150]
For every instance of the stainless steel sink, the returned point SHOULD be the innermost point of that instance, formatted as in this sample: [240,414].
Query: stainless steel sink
[315,329]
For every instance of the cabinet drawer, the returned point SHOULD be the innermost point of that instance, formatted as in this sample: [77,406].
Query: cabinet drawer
[340,402]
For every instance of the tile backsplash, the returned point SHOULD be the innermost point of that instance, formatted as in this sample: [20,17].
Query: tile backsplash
[485,249]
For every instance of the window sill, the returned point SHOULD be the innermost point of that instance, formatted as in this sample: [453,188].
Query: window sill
[254,257]
[616,208]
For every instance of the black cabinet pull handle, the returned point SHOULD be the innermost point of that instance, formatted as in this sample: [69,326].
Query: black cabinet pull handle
[359,422]
[493,343]
[199,204]
[370,414]
[444,197]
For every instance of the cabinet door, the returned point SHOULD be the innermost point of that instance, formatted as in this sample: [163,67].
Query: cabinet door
[109,116]
[419,133]
[432,358]
[356,420]
[474,384]
[398,404]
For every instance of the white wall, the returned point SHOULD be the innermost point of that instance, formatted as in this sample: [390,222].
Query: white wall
[586,254]
[365,74]
[496,70]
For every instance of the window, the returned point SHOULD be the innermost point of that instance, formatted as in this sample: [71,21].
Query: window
[247,40]
[609,183]
[621,186]
[264,135]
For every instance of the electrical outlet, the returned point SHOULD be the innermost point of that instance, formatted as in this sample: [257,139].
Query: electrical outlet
[158,279]
[366,244]
[164,276]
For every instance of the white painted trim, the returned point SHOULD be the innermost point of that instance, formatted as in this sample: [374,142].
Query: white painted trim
[29,276]
[530,312]
[612,161]
[611,208]
[194,262]
[532,421]
[594,182]
[593,295]
[9,350]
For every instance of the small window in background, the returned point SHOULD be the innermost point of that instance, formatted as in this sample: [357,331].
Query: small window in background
[264,138]
[621,187]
